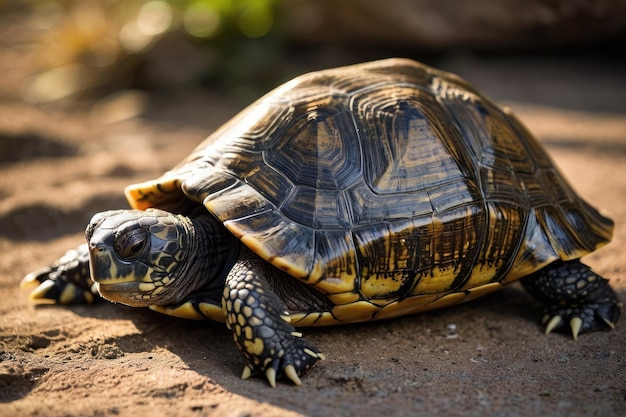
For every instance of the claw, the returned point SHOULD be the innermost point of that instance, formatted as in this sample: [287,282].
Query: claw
[39,294]
[247,372]
[608,322]
[50,292]
[30,281]
[270,374]
[576,323]
[553,324]
[290,372]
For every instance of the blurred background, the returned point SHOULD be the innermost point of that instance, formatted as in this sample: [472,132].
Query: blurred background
[58,51]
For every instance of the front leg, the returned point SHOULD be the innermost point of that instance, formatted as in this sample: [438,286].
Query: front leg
[65,281]
[261,325]
[575,297]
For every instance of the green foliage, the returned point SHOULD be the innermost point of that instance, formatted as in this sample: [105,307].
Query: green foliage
[207,18]
[105,42]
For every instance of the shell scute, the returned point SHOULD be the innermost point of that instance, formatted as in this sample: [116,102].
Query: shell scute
[318,208]
[318,147]
[408,147]
[335,262]
[276,187]
[370,208]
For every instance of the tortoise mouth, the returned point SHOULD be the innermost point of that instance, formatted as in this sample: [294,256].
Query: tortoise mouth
[123,292]
[128,286]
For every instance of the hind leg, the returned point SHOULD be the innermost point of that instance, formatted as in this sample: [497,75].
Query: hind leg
[576,298]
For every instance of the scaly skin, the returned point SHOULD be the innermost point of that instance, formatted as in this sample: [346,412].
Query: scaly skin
[576,298]
[261,325]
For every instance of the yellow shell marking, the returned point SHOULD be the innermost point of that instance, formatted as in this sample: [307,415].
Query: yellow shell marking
[313,319]
[459,297]
[359,311]
[257,247]
[333,285]
[151,193]
[480,276]
[212,312]
[343,298]
[184,311]
[434,284]
[406,306]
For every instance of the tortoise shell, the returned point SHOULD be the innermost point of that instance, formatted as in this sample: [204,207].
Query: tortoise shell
[390,187]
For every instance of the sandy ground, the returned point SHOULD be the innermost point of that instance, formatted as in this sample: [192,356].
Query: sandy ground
[59,166]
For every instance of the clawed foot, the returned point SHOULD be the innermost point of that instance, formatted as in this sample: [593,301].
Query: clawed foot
[277,351]
[300,356]
[577,299]
[582,319]
[261,324]
[66,281]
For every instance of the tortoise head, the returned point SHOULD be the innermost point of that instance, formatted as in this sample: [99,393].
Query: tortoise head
[137,257]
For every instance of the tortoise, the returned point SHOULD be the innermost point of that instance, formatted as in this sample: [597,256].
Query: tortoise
[346,195]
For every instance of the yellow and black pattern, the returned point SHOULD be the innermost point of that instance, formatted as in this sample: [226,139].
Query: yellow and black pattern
[261,325]
[134,254]
[346,195]
[388,182]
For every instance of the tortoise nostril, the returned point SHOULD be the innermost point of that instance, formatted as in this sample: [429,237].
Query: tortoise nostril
[95,247]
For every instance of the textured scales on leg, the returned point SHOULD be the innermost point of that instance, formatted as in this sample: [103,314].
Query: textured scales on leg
[576,298]
[261,325]
[66,281]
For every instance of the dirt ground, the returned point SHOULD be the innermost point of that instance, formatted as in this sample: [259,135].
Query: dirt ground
[490,357]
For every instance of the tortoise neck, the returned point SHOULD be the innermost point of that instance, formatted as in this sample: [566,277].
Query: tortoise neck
[213,252]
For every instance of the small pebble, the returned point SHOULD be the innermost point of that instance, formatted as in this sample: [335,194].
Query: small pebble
[452,334]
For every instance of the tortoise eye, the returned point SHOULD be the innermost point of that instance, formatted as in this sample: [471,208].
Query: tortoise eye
[131,244]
